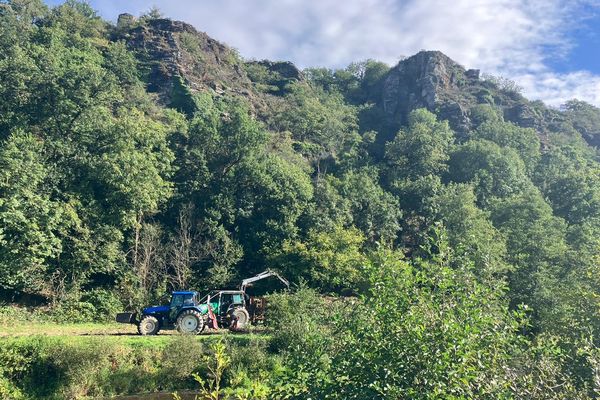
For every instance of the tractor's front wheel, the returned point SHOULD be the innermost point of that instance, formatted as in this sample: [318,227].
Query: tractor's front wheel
[190,322]
[148,326]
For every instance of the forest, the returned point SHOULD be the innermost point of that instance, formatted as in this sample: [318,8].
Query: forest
[455,223]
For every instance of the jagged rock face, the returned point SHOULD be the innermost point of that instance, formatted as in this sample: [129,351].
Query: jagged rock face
[177,60]
[428,79]
[432,80]
[175,57]
[525,116]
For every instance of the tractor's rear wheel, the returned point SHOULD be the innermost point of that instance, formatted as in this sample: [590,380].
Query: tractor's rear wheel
[148,326]
[190,322]
[239,319]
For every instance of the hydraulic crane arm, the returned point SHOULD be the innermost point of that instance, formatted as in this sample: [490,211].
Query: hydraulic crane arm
[263,275]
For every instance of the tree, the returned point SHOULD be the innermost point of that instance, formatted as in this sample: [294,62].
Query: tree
[470,232]
[358,82]
[322,124]
[30,222]
[420,150]
[584,117]
[505,134]
[536,244]
[357,199]
[495,171]
[571,182]
[241,189]
[150,265]
[109,160]
[330,260]
[153,13]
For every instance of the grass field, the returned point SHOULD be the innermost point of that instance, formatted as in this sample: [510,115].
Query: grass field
[18,322]
[22,328]
[121,333]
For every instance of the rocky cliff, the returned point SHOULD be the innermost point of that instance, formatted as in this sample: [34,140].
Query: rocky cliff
[429,79]
[178,60]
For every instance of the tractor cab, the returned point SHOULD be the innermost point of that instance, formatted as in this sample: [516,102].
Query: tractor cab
[222,300]
[180,299]
[177,301]
[223,305]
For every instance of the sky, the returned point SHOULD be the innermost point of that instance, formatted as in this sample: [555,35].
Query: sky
[551,48]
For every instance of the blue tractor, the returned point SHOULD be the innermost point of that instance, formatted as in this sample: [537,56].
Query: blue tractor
[188,313]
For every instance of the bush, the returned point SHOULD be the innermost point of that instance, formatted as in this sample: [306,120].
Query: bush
[106,303]
[10,314]
[8,391]
[97,305]
[77,368]
[296,317]
[330,260]
[73,310]
[423,330]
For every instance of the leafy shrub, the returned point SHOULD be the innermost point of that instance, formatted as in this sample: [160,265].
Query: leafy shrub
[73,310]
[76,368]
[220,379]
[182,358]
[97,305]
[105,302]
[504,84]
[330,260]
[10,314]
[423,330]
[295,316]
[8,391]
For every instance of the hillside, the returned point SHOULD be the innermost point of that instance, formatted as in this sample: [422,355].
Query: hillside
[177,61]
[462,218]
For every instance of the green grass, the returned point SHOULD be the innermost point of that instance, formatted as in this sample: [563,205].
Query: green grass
[135,341]
[22,328]
[41,358]
[113,332]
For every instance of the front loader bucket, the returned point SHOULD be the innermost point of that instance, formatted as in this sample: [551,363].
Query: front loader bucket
[127,318]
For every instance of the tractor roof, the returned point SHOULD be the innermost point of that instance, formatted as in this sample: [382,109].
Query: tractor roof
[184,292]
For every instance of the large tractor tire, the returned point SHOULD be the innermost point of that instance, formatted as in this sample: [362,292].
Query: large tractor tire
[148,326]
[190,322]
[239,319]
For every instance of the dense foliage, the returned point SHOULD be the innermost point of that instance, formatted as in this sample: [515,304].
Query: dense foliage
[110,196]
[93,368]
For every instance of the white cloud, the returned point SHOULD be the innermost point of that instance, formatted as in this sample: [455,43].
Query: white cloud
[514,38]
[555,89]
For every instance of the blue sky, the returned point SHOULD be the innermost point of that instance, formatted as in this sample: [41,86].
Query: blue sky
[585,45]
[549,47]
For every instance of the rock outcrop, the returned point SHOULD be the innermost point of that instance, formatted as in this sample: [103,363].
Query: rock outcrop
[177,61]
[284,69]
[125,21]
[176,57]
[274,76]
[432,80]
